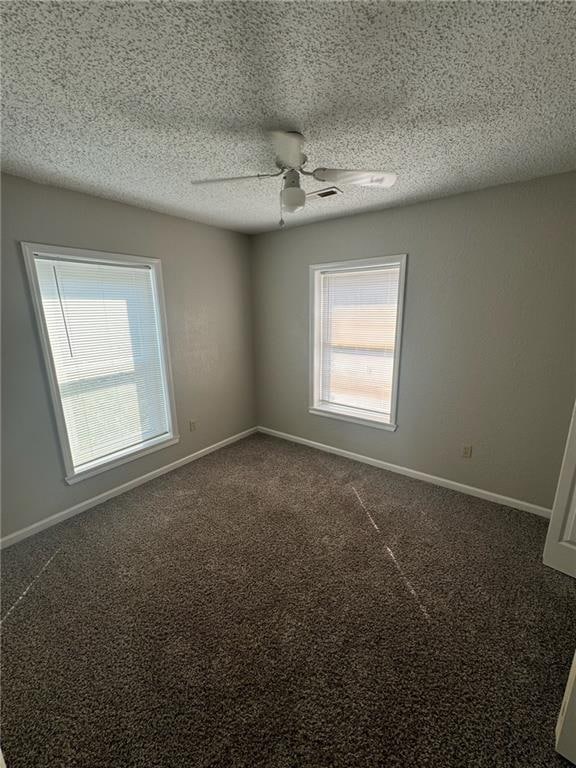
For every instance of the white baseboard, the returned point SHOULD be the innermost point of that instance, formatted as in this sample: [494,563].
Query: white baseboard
[41,525]
[525,506]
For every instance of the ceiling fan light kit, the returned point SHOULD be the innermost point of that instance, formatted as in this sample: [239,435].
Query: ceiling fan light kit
[290,159]
[292,196]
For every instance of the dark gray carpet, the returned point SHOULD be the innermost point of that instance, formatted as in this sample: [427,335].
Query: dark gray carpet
[271,605]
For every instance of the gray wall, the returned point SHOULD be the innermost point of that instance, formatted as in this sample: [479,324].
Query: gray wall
[489,348]
[206,275]
[489,351]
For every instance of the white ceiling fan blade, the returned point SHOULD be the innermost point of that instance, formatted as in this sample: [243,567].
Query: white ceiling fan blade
[362,178]
[288,147]
[237,178]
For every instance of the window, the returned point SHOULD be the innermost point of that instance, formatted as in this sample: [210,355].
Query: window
[103,335]
[356,318]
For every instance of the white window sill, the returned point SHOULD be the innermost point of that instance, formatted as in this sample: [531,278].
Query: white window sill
[122,457]
[352,417]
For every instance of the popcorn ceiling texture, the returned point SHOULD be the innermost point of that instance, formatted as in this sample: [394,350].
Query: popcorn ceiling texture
[135,101]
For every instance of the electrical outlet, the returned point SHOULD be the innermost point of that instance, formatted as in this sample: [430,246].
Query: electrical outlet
[466,451]
[192,425]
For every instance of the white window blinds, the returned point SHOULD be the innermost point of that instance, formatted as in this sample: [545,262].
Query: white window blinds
[356,337]
[106,350]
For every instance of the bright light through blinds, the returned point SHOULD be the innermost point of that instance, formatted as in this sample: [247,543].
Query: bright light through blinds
[358,317]
[104,332]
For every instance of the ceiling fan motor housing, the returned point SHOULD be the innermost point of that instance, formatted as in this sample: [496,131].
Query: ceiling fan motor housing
[291,179]
[288,146]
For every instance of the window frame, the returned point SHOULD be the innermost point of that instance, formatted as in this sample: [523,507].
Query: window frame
[29,252]
[318,407]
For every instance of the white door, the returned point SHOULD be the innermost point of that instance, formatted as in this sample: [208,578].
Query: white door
[560,548]
[560,553]
[566,726]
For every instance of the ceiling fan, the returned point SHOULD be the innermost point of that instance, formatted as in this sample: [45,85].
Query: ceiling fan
[290,160]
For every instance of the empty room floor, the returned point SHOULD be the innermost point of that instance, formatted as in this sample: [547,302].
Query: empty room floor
[271,605]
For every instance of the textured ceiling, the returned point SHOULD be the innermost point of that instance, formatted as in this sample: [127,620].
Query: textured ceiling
[137,100]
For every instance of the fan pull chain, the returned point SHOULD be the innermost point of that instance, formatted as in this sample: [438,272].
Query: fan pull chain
[281,222]
[62,311]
